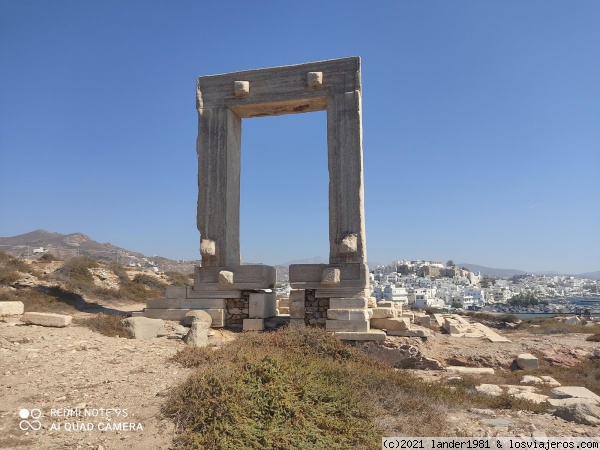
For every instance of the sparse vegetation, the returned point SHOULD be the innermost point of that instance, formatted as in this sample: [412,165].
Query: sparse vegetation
[47,257]
[179,279]
[76,272]
[45,299]
[108,325]
[11,268]
[493,318]
[555,326]
[302,388]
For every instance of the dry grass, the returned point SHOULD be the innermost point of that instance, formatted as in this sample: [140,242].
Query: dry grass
[303,388]
[555,326]
[45,299]
[108,325]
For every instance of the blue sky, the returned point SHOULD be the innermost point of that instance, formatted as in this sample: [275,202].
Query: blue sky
[481,125]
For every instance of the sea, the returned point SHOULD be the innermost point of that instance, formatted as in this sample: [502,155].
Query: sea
[578,304]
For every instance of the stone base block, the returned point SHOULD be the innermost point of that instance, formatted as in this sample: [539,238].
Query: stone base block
[11,308]
[372,335]
[217,314]
[254,324]
[348,303]
[46,319]
[176,292]
[396,324]
[246,277]
[425,320]
[348,314]
[297,323]
[383,313]
[527,361]
[297,306]
[143,327]
[341,292]
[186,303]
[347,325]
[310,276]
[191,293]
[262,305]
[410,333]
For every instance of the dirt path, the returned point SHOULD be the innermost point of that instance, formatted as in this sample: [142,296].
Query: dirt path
[52,369]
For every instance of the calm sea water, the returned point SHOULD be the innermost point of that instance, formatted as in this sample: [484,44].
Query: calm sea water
[592,304]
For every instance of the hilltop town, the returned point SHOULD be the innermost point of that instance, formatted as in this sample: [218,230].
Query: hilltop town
[423,284]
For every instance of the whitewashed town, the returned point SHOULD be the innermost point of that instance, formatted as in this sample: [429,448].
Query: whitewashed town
[421,284]
[432,284]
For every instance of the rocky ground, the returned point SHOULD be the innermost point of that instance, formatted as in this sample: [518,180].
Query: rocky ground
[124,381]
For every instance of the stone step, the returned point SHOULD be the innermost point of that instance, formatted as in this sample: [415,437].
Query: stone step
[347,325]
[185,303]
[217,314]
[372,335]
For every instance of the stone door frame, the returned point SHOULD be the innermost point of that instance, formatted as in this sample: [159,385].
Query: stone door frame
[224,100]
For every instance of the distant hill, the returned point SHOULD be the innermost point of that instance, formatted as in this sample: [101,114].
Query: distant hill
[593,275]
[63,245]
[492,272]
[78,244]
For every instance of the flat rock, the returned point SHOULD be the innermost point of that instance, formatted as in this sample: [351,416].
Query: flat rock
[582,413]
[570,401]
[143,327]
[47,319]
[489,389]
[198,334]
[527,361]
[198,315]
[497,422]
[530,379]
[574,392]
[531,396]
[470,370]
[12,308]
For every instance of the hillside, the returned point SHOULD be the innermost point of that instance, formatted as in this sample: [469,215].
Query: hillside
[78,244]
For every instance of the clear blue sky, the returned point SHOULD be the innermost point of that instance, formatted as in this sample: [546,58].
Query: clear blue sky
[481,126]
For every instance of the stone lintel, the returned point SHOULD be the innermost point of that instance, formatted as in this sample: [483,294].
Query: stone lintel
[280,90]
[310,276]
[245,277]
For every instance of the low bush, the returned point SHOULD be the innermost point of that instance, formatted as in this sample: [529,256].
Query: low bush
[105,324]
[303,388]
[45,299]
[76,272]
[180,279]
